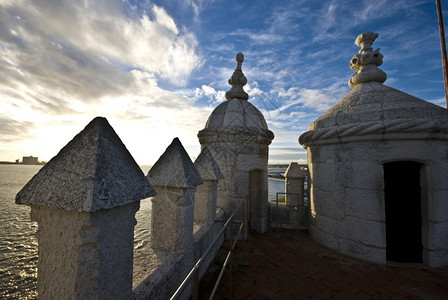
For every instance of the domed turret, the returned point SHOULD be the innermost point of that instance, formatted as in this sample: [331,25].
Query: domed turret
[376,160]
[237,135]
[236,116]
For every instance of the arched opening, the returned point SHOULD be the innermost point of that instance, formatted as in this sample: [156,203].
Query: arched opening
[255,188]
[403,211]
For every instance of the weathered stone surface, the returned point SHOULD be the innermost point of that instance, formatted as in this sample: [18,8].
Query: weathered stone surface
[294,171]
[366,232]
[175,178]
[438,199]
[172,218]
[294,181]
[365,204]
[377,255]
[93,171]
[207,167]
[237,113]
[206,194]
[437,172]
[85,255]
[326,176]
[322,237]
[331,203]
[437,233]
[435,258]
[368,175]
[174,168]
[205,202]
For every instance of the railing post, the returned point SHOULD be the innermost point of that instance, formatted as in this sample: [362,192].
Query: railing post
[230,257]
[245,212]
[84,201]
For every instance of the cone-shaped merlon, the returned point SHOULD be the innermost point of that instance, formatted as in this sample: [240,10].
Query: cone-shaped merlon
[174,168]
[294,171]
[207,166]
[93,171]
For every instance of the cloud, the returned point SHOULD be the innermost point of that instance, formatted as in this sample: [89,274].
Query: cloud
[12,130]
[89,46]
[65,62]
[214,97]
[298,99]
[281,154]
[164,19]
[146,65]
[439,101]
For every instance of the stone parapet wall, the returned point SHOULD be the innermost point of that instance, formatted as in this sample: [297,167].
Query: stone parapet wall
[86,233]
[158,273]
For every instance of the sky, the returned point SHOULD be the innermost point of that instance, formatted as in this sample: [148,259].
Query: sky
[157,69]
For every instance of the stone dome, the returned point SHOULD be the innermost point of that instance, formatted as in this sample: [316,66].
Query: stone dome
[375,111]
[236,120]
[236,113]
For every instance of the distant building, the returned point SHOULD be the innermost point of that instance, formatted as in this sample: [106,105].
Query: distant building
[30,160]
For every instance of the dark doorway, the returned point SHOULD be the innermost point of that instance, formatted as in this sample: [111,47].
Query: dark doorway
[254,198]
[403,211]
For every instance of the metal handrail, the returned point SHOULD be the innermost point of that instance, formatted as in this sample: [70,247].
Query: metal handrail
[226,262]
[193,274]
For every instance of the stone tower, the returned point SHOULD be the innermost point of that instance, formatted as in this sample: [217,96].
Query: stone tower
[378,166]
[238,137]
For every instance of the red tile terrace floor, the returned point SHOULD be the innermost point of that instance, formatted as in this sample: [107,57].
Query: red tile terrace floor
[287,264]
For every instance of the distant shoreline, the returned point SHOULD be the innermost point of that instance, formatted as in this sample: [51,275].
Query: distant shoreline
[276,179]
[20,163]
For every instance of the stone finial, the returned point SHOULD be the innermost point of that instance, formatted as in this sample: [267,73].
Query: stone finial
[366,62]
[237,81]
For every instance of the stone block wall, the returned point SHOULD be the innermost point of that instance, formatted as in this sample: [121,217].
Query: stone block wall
[235,161]
[347,196]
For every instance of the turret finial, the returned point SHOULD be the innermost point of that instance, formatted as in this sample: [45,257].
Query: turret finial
[366,62]
[237,81]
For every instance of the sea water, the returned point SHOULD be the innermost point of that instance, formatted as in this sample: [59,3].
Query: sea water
[18,244]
